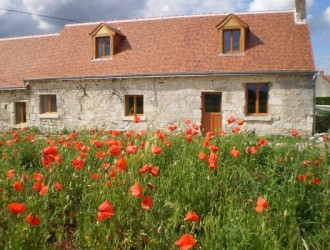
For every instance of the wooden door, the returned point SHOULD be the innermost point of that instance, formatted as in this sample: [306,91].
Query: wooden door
[211,111]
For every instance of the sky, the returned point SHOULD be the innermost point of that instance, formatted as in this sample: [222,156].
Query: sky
[15,24]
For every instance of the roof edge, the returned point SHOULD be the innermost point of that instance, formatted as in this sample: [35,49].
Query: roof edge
[28,37]
[181,16]
[12,88]
[165,75]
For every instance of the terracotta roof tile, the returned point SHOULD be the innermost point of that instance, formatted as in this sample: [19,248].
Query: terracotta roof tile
[327,78]
[163,46]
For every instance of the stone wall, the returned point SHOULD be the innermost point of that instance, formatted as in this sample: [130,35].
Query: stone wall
[8,98]
[322,86]
[100,103]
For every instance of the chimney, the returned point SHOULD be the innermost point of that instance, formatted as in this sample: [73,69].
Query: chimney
[300,11]
[321,73]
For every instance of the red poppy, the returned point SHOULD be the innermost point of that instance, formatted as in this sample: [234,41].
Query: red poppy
[307,162]
[302,178]
[16,208]
[132,149]
[240,122]
[186,242]
[251,150]
[137,119]
[212,160]
[214,148]
[154,171]
[172,127]
[99,155]
[206,142]
[37,186]
[11,173]
[78,163]
[210,135]
[191,216]
[316,181]
[113,172]
[136,190]
[187,121]
[114,150]
[261,142]
[147,203]
[32,220]
[234,153]
[325,137]
[98,144]
[57,186]
[145,169]
[189,137]
[49,155]
[202,156]
[261,204]
[236,130]
[294,132]
[38,177]
[43,190]
[18,185]
[156,150]
[96,176]
[105,211]
[161,135]
[195,126]
[121,164]
[230,120]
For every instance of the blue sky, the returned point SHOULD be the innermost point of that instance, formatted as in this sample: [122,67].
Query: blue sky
[18,24]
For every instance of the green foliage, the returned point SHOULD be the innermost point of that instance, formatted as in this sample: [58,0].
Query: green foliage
[322,100]
[284,171]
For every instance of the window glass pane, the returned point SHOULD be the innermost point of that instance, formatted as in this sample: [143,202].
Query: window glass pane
[45,103]
[252,96]
[212,103]
[139,105]
[236,38]
[99,47]
[107,46]
[53,104]
[263,96]
[130,105]
[226,40]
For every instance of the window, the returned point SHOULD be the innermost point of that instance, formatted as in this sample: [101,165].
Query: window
[133,105]
[231,41]
[48,103]
[20,112]
[102,47]
[257,98]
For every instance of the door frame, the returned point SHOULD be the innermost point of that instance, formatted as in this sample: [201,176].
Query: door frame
[211,114]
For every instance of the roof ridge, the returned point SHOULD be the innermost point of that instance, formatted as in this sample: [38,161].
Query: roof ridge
[28,37]
[180,16]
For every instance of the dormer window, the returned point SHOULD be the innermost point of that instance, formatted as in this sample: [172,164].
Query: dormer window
[103,46]
[105,41]
[232,33]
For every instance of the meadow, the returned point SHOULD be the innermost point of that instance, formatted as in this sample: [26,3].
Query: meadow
[163,189]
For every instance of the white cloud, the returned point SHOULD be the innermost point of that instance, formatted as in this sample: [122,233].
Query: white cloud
[156,8]
[257,5]
[326,15]
[5,4]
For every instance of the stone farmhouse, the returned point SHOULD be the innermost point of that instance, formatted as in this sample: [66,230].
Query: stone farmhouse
[322,88]
[255,66]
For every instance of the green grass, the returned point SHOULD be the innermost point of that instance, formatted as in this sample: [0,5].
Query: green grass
[224,198]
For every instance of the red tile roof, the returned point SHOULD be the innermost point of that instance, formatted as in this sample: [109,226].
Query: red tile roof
[177,45]
[327,78]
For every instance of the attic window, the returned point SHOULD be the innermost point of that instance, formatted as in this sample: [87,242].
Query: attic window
[232,33]
[106,41]
[102,46]
[231,41]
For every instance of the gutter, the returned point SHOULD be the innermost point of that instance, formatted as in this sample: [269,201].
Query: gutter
[12,88]
[168,75]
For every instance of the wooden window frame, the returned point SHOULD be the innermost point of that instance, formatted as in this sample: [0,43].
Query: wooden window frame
[20,111]
[42,100]
[103,38]
[231,51]
[134,105]
[257,103]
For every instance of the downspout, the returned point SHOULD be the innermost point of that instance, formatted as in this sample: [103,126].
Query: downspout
[314,101]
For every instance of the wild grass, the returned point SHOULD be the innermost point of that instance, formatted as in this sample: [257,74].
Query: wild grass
[293,180]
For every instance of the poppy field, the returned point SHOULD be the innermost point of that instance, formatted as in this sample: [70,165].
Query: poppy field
[163,189]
